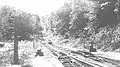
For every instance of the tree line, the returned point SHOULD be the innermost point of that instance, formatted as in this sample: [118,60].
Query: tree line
[87,21]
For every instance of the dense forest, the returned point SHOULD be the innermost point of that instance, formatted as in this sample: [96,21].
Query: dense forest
[77,24]
[82,22]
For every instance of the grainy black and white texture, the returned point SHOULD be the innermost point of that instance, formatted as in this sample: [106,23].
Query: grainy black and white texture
[65,33]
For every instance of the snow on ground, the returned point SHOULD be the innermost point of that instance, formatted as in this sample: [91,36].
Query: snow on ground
[4,49]
[112,55]
[46,62]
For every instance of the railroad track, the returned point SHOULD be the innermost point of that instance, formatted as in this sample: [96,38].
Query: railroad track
[99,58]
[69,61]
[112,61]
[103,59]
[64,59]
[68,52]
[71,58]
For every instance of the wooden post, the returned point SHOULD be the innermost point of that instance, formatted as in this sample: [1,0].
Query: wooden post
[16,60]
[15,50]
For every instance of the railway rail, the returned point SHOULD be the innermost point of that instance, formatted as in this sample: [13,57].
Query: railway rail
[69,61]
[70,58]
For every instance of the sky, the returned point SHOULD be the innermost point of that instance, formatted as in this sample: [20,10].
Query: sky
[40,7]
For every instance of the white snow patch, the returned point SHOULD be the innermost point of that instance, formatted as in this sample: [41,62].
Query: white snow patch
[46,62]
[4,49]
[112,55]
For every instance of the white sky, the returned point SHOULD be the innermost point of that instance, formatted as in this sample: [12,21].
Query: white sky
[40,7]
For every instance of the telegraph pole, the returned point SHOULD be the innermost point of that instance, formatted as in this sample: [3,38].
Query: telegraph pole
[16,60]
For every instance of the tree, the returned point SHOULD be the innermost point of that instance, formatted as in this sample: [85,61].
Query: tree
[17,25]
[74,16]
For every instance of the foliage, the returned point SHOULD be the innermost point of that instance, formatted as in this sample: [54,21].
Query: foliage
[6,57]
[25,23]
[26,51]
[71,19]
[82,22]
